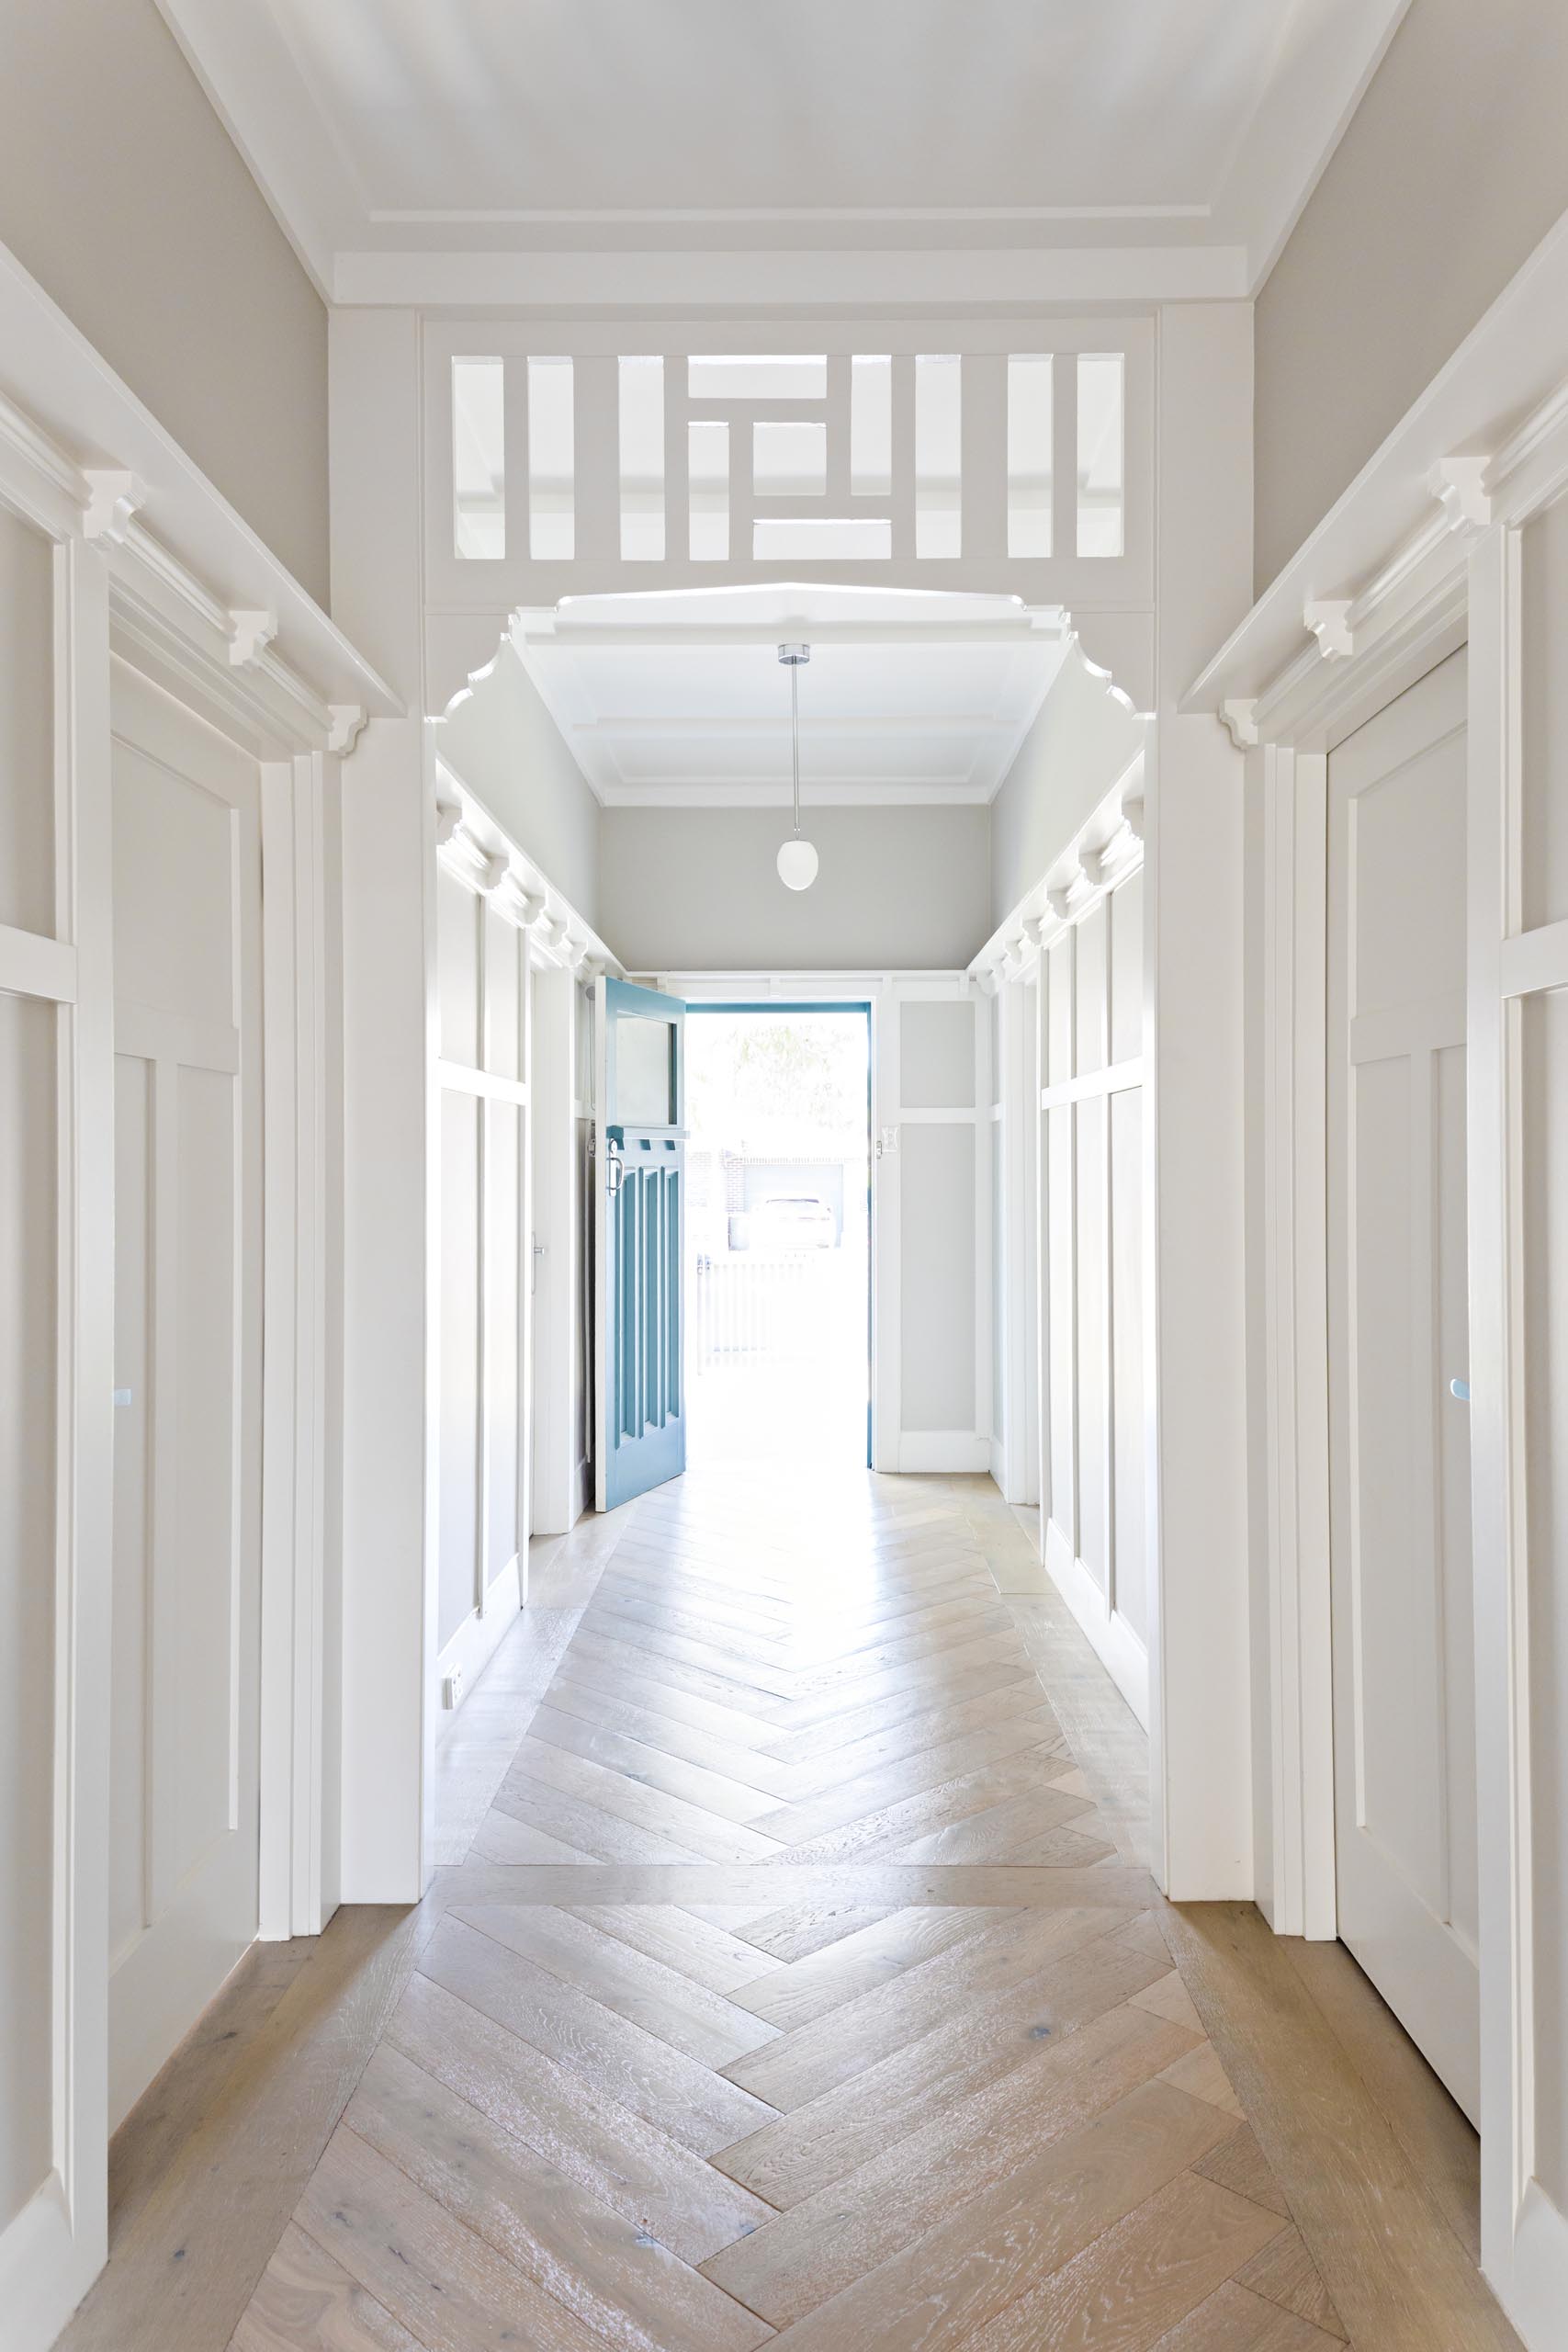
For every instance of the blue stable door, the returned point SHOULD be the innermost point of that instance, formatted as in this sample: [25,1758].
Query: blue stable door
[639,1170]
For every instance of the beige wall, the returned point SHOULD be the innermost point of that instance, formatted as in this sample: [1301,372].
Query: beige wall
[1083,739]
[506,747]
[695,889]
[123,195]
[1453,168]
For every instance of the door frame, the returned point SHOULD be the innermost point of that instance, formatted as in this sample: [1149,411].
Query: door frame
[120,594]
[796,1002]
[892,1450]
[561,1478]
[1451,581]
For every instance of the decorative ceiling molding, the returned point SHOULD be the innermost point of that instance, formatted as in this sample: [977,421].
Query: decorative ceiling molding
[915,697]
[180,559]
[250,634]
[1328,619]
[476,851]
[348,719]
[1394,547]
[114,496]
[452,213]
[1106,849]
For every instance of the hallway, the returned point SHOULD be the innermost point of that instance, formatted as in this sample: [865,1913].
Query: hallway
[802,1975]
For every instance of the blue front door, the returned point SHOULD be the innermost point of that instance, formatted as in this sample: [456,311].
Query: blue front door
[639,1170]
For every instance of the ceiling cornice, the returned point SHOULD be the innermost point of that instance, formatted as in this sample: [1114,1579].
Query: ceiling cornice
[361,250]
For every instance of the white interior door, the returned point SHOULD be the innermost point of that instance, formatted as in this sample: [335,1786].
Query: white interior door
[183,1725]
[1404,1670]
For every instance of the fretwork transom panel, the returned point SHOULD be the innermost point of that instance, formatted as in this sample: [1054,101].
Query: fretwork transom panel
[564,460]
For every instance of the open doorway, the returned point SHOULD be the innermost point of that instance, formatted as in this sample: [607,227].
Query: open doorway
[778,1233]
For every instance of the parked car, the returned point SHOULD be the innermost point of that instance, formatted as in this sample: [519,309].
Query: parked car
[792,1221]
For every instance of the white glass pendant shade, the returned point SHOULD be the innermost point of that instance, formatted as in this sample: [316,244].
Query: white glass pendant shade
[797,864]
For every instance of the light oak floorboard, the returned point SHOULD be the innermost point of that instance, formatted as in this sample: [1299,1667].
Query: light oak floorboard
[651,2178]
[796,1968]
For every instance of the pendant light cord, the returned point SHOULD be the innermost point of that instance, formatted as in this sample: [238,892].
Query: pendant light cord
[795,738]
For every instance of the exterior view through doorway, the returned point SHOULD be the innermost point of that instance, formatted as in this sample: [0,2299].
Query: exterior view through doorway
[778,1233]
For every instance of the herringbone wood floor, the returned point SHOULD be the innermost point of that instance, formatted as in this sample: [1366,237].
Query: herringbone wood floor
[793,1989]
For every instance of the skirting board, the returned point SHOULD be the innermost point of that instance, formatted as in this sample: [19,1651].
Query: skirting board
[478,1636]
[944,1450]
[43,2274]
[997,1464]
[1118,1648]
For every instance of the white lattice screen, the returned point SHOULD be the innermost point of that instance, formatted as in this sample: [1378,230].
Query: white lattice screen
[569,459]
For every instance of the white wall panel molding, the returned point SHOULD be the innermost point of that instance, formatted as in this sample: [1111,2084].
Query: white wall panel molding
[57,1275]
[502,1128]
[1518,1381]
[1296,1876]
[302,836]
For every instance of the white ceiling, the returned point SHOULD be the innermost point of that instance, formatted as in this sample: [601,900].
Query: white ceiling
[585,151]
[681,700]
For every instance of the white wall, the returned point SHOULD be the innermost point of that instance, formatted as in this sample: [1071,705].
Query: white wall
[123,195]
[505,745]
[901,888]
[1082,740]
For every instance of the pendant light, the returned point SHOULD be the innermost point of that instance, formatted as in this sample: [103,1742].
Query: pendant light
[797,859]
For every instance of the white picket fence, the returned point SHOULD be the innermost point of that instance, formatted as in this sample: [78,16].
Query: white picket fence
[795,1307]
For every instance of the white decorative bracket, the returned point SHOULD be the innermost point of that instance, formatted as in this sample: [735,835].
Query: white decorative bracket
[530,912]
[113,498]
[1459,485]
[1059,898]
[494,872]
[1329,622]
[1133,813]
[250,634]
[449,817]
[1034,931]
[1239,720]
[347,721]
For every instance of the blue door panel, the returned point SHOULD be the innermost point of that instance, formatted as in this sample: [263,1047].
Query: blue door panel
[640,1170]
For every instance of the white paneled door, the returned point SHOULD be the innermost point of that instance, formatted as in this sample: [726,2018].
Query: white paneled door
[183,1730]
[1404,1667]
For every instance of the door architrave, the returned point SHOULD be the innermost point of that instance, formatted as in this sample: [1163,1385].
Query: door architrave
[1451,581]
